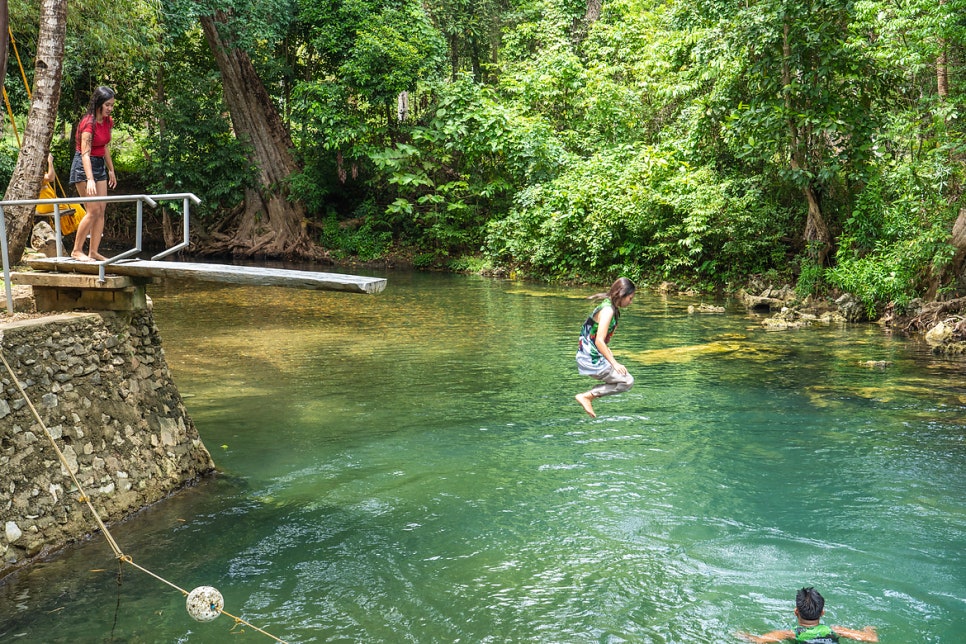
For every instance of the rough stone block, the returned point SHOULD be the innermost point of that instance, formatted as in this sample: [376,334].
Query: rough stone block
[49,355]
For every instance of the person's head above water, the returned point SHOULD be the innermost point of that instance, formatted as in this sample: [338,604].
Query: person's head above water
[809,604]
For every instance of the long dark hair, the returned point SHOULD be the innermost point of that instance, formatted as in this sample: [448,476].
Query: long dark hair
[100,96]
[621,288]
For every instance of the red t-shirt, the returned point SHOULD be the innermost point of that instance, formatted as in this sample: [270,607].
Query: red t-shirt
[100,133]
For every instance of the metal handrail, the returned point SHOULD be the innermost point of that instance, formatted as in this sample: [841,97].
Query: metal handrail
[185,197]
[151,200]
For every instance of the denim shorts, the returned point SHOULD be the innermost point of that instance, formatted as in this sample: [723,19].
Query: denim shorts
[77,174]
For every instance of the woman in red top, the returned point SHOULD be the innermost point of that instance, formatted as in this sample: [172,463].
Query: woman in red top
[92,170]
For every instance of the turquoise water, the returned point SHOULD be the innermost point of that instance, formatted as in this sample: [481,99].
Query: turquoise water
[412,467]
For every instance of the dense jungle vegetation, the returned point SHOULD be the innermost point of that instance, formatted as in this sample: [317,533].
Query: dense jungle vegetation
[700,141]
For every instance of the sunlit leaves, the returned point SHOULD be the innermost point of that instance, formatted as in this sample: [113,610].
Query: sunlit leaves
[393,49]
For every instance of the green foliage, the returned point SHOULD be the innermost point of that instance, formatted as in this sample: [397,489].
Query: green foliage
[329,31]
[350,239]
[898,235]
[669,138]
[8,160]
[887,276]
[641,211]
[106,43]
[810,276]
[195,150]
[596,93]
[331,121]
[807,84]
[469,264]
[372,50]
[894,245]
[393,50]
[462,166]
[468,27]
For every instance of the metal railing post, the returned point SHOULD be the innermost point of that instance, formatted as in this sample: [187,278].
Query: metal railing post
[6,261]
[102,266]
[58,235]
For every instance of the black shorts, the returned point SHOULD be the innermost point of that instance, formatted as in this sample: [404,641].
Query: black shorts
[77,174]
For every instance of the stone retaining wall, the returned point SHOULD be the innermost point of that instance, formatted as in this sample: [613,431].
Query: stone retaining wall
[101,385]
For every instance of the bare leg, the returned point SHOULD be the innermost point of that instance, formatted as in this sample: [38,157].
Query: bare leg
[613,383]
[586,399]
[83,228]
[97,226]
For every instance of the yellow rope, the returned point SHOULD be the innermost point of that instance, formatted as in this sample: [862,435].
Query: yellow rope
[23,74]
[26,86]
[84,498]
[13,121]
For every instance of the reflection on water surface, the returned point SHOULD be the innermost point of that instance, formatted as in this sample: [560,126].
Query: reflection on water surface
[411,466]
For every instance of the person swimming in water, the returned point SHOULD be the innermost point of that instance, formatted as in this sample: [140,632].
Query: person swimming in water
[809,608]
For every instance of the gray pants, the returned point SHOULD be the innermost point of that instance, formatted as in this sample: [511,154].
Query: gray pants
[614,383]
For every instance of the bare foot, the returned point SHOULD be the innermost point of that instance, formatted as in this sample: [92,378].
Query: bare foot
[80,256]
[98,257]
[585,402]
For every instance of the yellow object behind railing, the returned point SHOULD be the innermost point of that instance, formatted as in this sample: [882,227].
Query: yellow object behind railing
[70,216]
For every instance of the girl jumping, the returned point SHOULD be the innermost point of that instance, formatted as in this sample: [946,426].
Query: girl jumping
[594,357]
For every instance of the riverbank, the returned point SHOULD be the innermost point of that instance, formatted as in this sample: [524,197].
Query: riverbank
[942,324]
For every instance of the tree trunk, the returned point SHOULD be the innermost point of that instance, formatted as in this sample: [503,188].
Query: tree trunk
[476,59]
[818,239]
[270,225]
[581,27]
[171,236]
[39,129]
[454,56]
[592,14]
[942,73]
[954,270]
[942,65]
[958,240]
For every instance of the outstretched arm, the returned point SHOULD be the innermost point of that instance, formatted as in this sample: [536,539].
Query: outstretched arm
[867,634]
[773,636]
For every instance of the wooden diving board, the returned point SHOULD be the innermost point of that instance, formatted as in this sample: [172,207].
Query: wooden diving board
[222,273]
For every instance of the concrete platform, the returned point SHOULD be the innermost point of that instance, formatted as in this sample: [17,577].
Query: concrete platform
[69,292]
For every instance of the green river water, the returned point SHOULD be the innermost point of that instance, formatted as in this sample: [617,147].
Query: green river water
[412,467]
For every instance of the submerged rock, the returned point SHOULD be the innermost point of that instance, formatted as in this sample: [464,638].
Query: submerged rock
[875,364]
[705,308]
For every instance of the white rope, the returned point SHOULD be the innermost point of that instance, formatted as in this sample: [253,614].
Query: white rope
[107,534]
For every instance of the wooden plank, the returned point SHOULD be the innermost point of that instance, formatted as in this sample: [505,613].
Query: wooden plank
[222,273]
[73,280]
